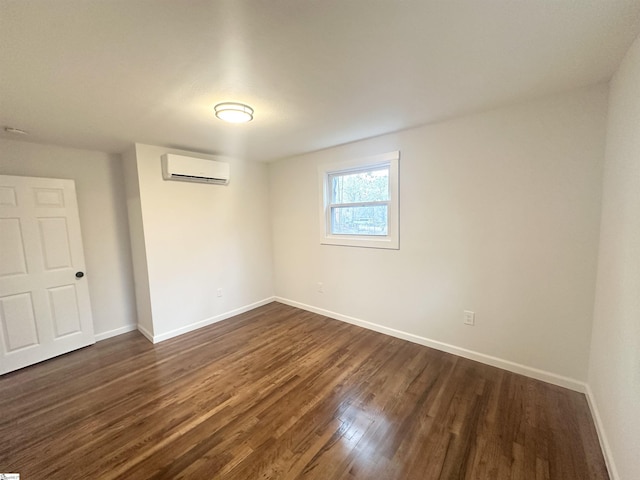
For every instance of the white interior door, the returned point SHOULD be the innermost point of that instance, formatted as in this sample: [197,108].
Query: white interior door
[44,295]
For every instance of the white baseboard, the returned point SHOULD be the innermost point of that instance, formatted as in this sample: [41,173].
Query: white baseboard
[207,321]
[148,335]
[538,374]
[116,331]
[604,442]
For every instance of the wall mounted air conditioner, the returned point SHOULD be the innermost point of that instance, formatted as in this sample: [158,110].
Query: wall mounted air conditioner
[191,169]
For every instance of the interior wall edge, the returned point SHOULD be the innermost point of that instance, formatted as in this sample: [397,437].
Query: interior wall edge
[543,375]
[602,436]
[146,333]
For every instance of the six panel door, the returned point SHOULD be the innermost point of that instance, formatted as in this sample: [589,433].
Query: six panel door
[44,296]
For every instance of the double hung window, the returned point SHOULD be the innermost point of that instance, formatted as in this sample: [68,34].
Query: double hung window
[359,204]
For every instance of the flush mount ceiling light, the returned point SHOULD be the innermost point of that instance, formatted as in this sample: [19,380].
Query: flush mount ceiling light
[234,112]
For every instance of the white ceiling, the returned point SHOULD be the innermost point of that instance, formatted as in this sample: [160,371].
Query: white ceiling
[102,74]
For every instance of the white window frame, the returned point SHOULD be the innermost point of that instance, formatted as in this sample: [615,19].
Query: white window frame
[389,241]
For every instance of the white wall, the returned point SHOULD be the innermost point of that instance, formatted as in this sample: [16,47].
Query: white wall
[103,220]
[499,215]
[614,369]
[201,237]
[138,250]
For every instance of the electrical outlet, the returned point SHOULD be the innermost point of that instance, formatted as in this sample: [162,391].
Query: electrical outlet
[320,287]
[469,318]
[219,292]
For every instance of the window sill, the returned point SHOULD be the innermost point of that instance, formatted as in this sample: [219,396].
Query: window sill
[363,242]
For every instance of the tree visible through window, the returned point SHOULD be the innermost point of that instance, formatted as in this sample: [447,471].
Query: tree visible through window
[359,202]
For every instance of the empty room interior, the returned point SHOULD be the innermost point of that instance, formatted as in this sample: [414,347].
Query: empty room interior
[364,239]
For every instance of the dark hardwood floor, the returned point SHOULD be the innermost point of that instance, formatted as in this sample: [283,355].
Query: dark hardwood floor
[280,393]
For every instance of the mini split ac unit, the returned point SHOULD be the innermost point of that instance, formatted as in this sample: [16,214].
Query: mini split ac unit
[191,169]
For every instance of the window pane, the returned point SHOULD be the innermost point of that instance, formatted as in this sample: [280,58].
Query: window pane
[368,186]
[359,220]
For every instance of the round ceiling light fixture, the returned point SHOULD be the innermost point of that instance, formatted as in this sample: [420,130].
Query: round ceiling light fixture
[234,112]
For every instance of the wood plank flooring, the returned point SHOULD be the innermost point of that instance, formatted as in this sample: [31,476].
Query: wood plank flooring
[280,393]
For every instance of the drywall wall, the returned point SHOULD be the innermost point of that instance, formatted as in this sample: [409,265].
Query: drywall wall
[103,220]
[136,233]
[199,238]
[499,214]
[614,369]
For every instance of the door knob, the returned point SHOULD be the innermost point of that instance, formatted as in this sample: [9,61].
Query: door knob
[79,274]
